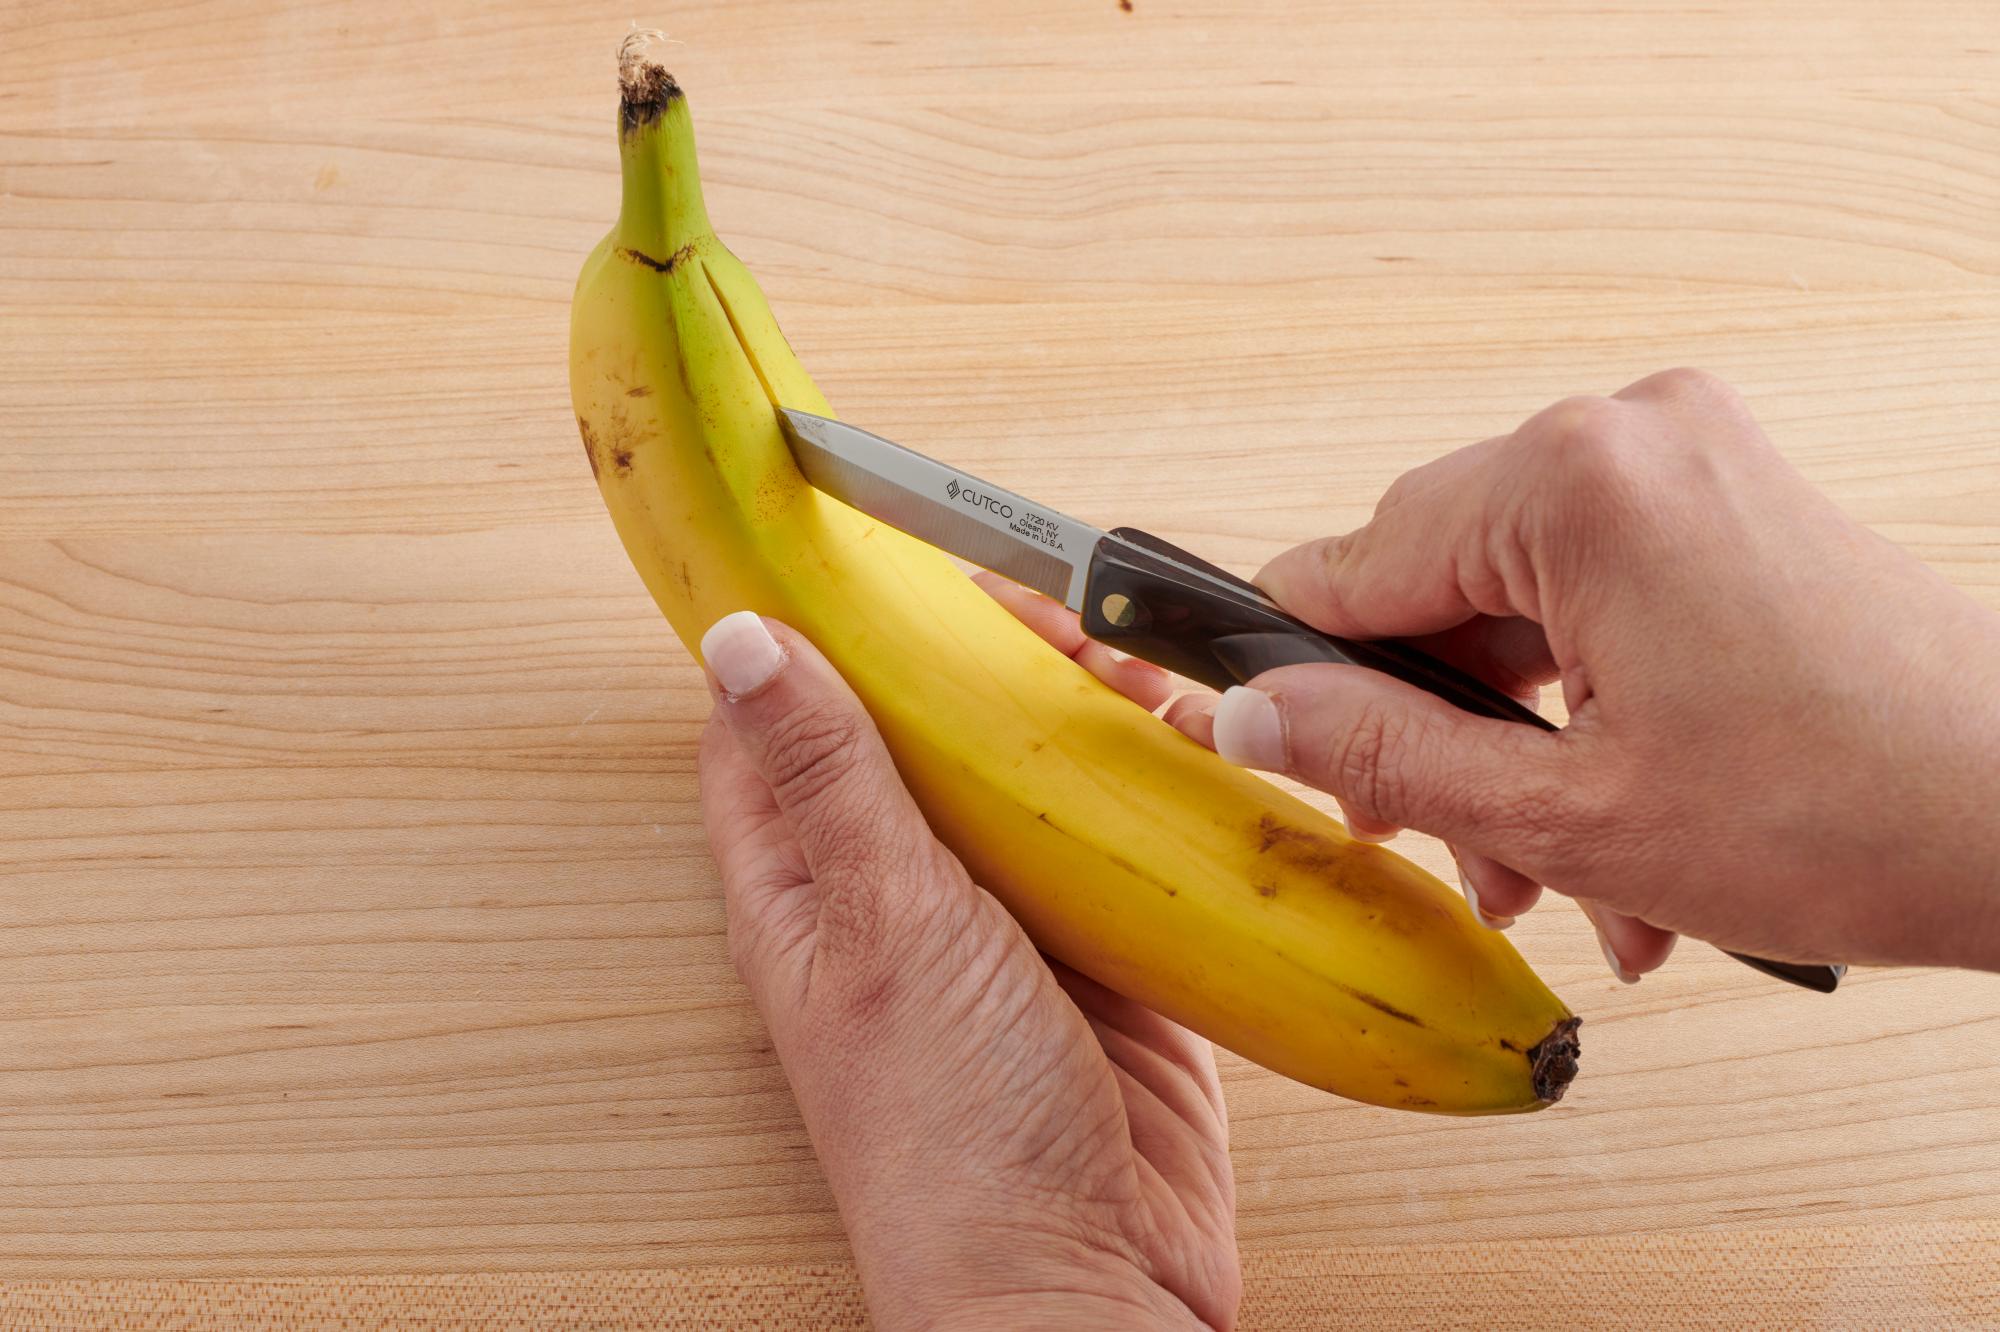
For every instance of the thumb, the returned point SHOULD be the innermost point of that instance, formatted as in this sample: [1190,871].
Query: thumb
[1396,756]
[865,844]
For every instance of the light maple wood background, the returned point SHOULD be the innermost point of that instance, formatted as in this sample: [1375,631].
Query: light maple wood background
[359,955]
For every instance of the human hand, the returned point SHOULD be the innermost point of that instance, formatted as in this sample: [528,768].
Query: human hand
[1007,1141]
[1784,732]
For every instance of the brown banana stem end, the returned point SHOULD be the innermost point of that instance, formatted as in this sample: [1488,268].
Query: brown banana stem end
[645,88]
[1553,1061]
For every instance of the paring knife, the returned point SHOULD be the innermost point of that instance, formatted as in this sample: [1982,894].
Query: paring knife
[1133,591]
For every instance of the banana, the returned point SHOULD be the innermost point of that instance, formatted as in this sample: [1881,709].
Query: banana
[1124,849]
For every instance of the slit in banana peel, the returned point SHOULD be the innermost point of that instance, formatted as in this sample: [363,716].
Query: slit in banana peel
[1123,848]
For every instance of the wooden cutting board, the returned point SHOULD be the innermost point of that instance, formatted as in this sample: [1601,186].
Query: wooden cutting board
[359,956]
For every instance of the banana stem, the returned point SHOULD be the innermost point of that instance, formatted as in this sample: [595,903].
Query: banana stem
[662,212]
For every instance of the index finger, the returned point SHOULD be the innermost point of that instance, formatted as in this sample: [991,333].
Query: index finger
[1061,628]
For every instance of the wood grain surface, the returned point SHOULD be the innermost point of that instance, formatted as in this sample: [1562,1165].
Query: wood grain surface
[360,959]
[1859,1277]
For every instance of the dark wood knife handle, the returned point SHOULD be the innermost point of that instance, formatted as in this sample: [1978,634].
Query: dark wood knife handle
[1156,601]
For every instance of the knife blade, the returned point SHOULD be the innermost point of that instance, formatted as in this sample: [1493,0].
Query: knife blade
[1131,589]
[953,510]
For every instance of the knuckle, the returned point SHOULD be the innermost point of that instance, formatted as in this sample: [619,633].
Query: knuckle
[872,962]
[1684,383]
[1581,427]
[810,751]
[848,839]
[1398,491]
[1590,452]
[1568,824]
[886,899]
[1543,818]
[856,936]
[1368,763]
[1331,554]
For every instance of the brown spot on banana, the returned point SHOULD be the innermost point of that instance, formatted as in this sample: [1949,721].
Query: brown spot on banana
[1383,1006]
[619,439]
[666,265]
[1316,854]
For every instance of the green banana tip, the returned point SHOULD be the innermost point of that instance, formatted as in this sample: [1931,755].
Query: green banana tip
[645,88]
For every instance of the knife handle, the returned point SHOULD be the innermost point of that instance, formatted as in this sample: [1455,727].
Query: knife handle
[1156,601]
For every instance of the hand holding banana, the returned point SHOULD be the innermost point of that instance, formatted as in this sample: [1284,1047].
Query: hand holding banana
[1009,1141]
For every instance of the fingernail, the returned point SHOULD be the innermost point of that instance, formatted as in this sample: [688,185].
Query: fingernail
[1117,658]
[1479,912]
[1611,960]
[741,653]
[1248,730]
